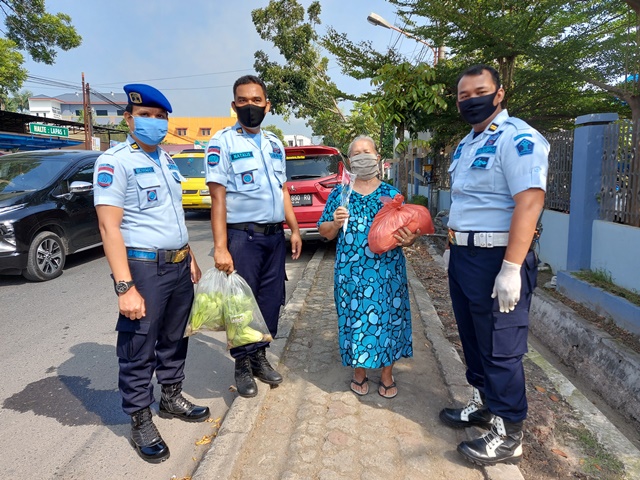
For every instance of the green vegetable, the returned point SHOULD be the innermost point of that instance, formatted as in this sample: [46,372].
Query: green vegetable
[243,336]
[207,313]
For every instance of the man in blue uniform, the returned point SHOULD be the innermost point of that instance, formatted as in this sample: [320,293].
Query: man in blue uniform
[246,174]
[138,199]
[498,182]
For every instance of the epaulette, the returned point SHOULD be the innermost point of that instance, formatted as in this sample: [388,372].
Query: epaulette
[219,133]
[117,148]
[519,124]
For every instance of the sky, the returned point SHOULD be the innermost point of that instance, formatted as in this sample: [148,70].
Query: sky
[193,50]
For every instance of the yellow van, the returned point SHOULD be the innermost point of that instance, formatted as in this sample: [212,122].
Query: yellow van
[195,193]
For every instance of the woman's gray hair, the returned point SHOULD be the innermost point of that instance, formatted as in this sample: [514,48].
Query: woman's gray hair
[359,138]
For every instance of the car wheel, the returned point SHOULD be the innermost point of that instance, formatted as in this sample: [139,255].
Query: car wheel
[46,257]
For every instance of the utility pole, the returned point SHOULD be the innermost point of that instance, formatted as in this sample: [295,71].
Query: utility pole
[86,108]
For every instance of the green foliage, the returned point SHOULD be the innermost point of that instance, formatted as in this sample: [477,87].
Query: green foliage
[602,279]
[419,200]
[275,130]
[37,31]
[30,27]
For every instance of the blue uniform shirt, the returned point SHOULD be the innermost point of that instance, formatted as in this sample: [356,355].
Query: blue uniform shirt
[150,194]
[509,157]
[252,172]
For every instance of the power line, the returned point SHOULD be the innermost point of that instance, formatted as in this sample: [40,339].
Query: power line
[174,78]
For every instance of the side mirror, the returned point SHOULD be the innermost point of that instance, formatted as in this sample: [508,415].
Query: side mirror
[80,187]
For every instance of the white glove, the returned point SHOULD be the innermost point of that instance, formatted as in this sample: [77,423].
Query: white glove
[445,258]
[507,286]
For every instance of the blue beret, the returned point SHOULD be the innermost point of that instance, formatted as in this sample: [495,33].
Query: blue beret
[146,96]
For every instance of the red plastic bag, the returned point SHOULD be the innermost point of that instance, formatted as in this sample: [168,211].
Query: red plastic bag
[393,216]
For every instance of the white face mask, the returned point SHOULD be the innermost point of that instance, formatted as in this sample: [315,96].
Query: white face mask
[364,165]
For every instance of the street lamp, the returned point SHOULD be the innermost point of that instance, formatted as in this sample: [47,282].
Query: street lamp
[377,20]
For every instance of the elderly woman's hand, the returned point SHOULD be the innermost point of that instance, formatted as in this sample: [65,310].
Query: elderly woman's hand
[340,216]
[405,238]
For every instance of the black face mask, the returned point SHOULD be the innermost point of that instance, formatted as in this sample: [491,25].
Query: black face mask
[251,115]
[476,110]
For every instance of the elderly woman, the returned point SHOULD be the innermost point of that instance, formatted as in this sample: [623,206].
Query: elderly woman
[371,293]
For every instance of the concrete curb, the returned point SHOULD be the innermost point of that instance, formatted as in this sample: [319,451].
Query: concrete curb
[612,368]
[451,366]
[220,460]
[591,418]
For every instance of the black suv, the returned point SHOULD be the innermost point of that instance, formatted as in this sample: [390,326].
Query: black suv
[46,210]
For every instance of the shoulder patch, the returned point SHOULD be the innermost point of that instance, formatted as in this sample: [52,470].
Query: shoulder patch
[525,147]
[105,175]
[213,159]
[275,147]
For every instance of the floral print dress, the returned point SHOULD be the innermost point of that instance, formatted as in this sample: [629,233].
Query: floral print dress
[370,290]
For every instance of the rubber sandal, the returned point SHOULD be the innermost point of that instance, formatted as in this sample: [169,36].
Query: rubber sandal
[360,384]
[387,388]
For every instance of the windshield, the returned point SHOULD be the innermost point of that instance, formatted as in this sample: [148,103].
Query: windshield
[191,167]
[312,167]
[19,175]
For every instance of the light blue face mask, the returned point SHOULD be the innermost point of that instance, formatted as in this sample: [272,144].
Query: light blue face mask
[150,131]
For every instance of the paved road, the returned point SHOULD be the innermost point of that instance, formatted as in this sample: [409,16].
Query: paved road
[60,415]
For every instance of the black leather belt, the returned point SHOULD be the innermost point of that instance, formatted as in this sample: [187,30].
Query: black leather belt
[152,255]
[264,228]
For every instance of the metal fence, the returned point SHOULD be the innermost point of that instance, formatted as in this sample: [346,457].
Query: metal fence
[620,188]
[558,195]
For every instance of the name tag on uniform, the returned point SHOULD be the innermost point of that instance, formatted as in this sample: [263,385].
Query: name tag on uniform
[486,149]
[276,156]
[241,155]
[140,171]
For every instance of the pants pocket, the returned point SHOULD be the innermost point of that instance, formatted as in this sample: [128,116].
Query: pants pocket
[129,345]
[510,331]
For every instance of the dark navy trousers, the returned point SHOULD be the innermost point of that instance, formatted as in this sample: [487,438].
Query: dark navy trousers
[156,342]
[259,259]
[493,342]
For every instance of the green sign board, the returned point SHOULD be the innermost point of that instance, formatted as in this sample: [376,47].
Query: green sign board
[40,129]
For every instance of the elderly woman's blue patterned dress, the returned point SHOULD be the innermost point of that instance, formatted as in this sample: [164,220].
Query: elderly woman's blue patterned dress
[371,294]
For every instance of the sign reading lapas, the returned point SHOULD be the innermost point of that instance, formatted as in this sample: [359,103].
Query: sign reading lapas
[40,129]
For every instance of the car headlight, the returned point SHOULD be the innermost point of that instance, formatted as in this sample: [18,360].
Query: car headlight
[7,237]
[204,193]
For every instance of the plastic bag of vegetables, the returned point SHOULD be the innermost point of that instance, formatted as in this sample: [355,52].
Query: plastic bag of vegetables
[243,321]
[207,310]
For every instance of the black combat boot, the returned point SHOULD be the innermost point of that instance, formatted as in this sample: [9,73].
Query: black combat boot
[173,404]
[474,414]
[501,444]
[244,378]
[263,369]
[146,438]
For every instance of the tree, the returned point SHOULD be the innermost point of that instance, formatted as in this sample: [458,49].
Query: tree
[19,101]
[301,86]
[406,93]
[30,27]
[275,130]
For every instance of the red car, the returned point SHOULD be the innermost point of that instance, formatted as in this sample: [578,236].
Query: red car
[312,172]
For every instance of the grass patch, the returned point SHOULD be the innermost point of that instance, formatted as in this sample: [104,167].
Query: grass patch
[596,462]
[602,279]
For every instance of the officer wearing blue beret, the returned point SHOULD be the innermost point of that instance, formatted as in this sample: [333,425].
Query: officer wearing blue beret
[246,174]
[138,198]
[498,182]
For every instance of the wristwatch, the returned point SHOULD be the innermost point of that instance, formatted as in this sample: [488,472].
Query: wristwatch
[123,286]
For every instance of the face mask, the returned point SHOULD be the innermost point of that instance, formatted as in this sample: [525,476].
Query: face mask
[364,165]
[150,131]
[251,115]
[477,110]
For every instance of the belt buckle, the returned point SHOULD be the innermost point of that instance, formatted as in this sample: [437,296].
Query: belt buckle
[179,255]
[482,239]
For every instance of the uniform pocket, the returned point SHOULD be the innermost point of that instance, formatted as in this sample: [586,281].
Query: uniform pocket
[245,174]
[148,190]
[510,331]
[481,175]
[129,345]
